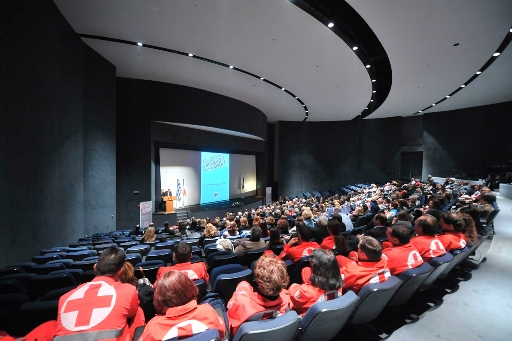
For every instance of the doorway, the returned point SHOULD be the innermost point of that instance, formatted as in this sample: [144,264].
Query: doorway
[411,165]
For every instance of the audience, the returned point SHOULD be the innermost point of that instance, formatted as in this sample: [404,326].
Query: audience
[401,255]
[426,242]
[300,246]
[254,243]
[182,256]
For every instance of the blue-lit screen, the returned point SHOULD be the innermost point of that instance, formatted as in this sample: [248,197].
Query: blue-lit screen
[214,177]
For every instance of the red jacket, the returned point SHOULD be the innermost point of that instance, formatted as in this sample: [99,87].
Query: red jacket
[296,252]
[183,321]
[402,257]
[328,243]
[245,302]
[102,306]
[303,296]
[343,261]
[192,270]
[452,240]
[357,275]
[428,247]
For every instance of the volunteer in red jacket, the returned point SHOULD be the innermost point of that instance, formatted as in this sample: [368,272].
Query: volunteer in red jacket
[182,257]
[181,316]
[299,246]
[100,309]
[403,255]
[453,237]
[323,276]
[271,276]
[370,266]
[426,242]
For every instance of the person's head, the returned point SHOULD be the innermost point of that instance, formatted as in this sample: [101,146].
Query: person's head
[307,214]
[398,234]
[110,262]
[403,215]
[488,198]
[255,234]
[469,227]
[283,225]
[380,220]
[137,227]
[270,274]
[426,225]
[370,249]
[232,228]
[334,227]
[256,220]
[270,220]
[173,289]
[244,221]
[128,274]
[305,233]
[166,224]
[210,231]
[451,222]
[183,252]
[325,270]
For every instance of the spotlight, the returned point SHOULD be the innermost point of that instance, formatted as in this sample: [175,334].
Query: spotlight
[448,96]
[262,78]
[140,44]
[190,55]
[355,48]
[330,25]
[368,66]
[478,72]
[374,80]
[496,54]
[433,104]
[462,86]
[231,66]
[283,89]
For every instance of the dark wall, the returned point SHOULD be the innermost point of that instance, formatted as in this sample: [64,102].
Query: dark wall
[49,118]
[462,142]
[140,103]
[322,155]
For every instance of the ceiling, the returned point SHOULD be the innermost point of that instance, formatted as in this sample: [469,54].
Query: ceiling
[433,47]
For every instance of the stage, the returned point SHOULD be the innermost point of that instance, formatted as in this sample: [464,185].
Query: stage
[218,209]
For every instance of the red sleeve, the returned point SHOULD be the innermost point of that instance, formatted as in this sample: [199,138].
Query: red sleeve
[285,254]
[134,303]
[306,274]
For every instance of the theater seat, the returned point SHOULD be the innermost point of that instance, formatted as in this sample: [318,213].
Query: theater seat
[282,328]
[439,264]
[327,318]
[225,284]
[411,281]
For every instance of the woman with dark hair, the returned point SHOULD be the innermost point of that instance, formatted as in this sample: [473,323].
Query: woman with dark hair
[263,226]
[275,238]
[476,218]
[452,237]
[175,300]
[272,278]
[323,276]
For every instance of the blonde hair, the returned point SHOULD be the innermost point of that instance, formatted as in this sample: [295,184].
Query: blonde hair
[307,214]
[149,235]
[210,231]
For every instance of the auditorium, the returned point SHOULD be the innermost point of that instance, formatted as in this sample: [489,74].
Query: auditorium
[106,105]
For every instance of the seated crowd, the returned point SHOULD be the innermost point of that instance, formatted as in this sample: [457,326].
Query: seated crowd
[401,233]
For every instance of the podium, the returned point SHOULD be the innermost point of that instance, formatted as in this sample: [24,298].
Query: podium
[169,203]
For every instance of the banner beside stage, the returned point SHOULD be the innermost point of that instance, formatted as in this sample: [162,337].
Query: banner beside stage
[146,216]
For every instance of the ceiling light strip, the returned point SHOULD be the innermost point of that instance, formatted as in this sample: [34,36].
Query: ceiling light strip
[506,41]
[190,55]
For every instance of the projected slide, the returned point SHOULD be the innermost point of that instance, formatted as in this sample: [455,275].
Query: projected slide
[214,177]
[203,177]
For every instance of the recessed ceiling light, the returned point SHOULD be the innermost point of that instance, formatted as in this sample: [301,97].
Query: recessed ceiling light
[433,104]
[478,72]
[303,105]
[496,54]
[296,97]
[262,78]
[140,44]
[330,25]
[190,55]
[368,66]
[510,30]
[448,96]
[307,111]
[374,91]
[371,100]
[420,110]
[355,48]
[462,86]
[283,89]
[374,80]
[231,66]
[366,108]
